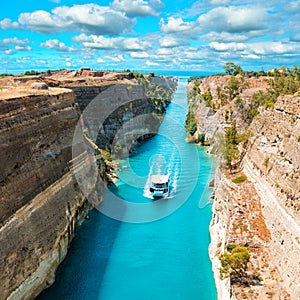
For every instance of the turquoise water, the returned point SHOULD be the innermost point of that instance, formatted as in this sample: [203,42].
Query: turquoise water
[163,258]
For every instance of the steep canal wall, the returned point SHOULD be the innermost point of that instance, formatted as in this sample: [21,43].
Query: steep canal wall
[260,210]
[40,200]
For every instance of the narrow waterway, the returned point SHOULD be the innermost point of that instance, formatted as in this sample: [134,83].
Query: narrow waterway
[166,258]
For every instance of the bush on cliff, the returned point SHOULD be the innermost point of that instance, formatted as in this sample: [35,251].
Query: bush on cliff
[234,263]
[190,124]
[231,151]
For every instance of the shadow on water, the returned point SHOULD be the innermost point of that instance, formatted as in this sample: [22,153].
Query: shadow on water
[81,274]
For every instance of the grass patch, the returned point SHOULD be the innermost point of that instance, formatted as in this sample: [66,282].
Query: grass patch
[239,179]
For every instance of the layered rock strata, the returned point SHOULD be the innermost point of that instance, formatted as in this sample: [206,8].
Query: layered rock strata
[261,213]
[41,201]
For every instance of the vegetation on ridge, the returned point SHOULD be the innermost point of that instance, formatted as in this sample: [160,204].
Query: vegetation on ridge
[233,97]
[234,262]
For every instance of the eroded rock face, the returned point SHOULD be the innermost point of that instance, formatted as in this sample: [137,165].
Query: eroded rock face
[40,199]
[273,161]
[40,202]
[35,143]
[262,212]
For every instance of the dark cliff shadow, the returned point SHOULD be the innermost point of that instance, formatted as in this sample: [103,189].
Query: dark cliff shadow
[81,274]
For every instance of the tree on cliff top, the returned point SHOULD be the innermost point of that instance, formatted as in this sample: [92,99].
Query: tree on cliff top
[233,69]
[234,263]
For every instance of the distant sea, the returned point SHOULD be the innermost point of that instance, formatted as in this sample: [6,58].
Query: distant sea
[177,73]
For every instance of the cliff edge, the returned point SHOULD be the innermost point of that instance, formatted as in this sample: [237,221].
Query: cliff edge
[257,187]
[41,201]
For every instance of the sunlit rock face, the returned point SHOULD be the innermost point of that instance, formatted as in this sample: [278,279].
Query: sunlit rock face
[261,213]
[40,200]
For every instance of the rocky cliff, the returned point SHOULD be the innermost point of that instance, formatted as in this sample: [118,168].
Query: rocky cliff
[40,200]
[261,211]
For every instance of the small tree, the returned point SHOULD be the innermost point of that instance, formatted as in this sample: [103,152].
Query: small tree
[233,69]
[238,70]
[234,262]
[233,87]
[231,142]
[229,67]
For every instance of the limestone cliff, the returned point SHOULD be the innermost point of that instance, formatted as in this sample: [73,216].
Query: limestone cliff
[262,212]
[40,200]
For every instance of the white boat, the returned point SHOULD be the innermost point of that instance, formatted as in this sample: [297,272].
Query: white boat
[159,185]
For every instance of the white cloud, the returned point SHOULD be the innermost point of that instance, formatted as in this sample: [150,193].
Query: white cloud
[90,18]
[170,41]
[227,46]
[120,43]
[9,51]
[224,37]
[100,60]
[8,24]
[23,48]
[151,63]
[14,41]
[234,19]
[13,45]
[117,58]
[138,8]
[176,25]
[57,45]
[219,2]
[139,55]
[267,48]
[165,51]
[251,56]
[293,7]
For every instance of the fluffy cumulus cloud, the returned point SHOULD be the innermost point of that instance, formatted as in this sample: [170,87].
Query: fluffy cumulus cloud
[203,35]
[13,45]
[234,19]
[170,42]
[224,37]
[138,8]
[57,45]
[119,43]
[271,48]
[90,18]
[227,46]
[177,25]
[115,58]
[139,55]
[8,24]
[14,41]
[151,63]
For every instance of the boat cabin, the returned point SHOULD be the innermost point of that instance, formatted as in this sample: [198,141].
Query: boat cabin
[159,186]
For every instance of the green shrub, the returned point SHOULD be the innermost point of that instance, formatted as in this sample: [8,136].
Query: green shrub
[234,264]
[190,124]
[201,139]
[239,179]
[207,98]
[230,247]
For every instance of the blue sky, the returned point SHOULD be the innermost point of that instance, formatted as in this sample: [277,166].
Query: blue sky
[154,34]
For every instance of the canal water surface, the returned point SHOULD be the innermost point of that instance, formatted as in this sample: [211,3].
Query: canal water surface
[163,258]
